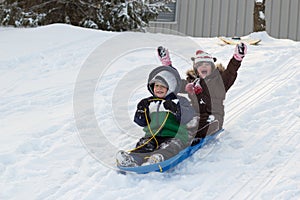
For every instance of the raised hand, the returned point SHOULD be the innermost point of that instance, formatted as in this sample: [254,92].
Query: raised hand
[170,105]
[240,51]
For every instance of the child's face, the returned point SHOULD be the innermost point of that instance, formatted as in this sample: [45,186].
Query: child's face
[204,69]
[160,90]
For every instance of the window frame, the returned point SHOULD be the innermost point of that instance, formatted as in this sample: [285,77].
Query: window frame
[164,21]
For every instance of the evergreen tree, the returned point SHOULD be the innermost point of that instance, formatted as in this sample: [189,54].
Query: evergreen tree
[259,22]
[113,15]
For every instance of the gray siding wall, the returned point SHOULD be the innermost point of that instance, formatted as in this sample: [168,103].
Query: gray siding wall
[283,18]
[211,18]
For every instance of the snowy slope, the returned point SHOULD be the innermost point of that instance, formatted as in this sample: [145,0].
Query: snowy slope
[67,100]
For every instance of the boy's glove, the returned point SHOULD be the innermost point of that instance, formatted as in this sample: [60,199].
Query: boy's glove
[143,104]
[170,105]
[240,51]
[194,88]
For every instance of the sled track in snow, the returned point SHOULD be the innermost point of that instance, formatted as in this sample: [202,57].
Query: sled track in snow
[261,89]
[255,95]
[273,176]
[267,174]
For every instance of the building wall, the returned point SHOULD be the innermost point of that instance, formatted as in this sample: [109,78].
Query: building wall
[283,19]
[211,18]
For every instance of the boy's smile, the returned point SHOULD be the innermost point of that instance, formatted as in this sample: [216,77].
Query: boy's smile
[160,90]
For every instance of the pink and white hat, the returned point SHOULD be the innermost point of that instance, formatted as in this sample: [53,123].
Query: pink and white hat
[202,56]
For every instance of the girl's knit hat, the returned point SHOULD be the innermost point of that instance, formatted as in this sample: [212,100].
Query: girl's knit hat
[202,56]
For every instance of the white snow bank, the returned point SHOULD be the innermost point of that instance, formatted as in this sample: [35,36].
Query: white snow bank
[42,155]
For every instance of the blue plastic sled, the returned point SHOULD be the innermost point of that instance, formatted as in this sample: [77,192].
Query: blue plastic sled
[172,162]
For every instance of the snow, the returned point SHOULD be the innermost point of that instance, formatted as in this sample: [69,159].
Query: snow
[261,15]
[68,95]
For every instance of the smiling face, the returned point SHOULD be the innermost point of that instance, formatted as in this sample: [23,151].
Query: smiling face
[203,68]
[160,90]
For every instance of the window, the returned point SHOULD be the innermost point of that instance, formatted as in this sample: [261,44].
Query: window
[168,16]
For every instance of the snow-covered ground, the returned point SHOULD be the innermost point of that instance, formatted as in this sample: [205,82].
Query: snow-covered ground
[68,96]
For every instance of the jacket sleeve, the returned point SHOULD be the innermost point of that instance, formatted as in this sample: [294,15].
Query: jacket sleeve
[230,74]
[186,110]
[182,87]
[140,117]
